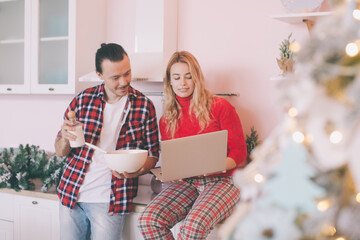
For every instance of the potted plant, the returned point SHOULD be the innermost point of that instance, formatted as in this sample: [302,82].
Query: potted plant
[286,61]
[252,141]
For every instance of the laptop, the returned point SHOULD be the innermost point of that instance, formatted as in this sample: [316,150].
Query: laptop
[192,156]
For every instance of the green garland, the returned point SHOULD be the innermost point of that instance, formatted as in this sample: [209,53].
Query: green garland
[18,167]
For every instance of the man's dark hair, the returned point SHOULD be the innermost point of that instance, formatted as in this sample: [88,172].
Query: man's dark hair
[112,51]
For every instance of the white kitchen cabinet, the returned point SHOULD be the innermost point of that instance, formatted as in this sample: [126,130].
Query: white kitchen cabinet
[28,218]
[131,232]
[46,44]
[14,46]
[36,218]
[6,230]
[6,217]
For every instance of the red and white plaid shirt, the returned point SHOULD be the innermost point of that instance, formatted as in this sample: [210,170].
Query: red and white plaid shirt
[139,131]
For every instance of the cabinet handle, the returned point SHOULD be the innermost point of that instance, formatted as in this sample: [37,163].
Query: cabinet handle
[9,89]
[51,89]
[35,202]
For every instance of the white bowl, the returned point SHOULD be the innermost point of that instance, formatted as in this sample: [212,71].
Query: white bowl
[126,160]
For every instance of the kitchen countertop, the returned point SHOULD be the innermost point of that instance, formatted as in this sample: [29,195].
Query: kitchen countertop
[144,196]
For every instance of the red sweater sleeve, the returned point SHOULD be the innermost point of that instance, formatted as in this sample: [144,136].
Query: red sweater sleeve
[228,119]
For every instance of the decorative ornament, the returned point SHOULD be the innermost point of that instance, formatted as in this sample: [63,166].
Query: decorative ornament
[347,217]
[321,123]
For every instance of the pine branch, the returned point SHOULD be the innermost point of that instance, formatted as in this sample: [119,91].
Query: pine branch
[252,141]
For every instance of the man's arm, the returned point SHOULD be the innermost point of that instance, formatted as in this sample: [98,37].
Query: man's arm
[62,147]
[149,164]
[62,144]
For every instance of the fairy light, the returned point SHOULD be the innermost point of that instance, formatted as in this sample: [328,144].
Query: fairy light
[356,14]
[336,137]
[309,138]
[323,205]
[294,47]
[292,112]
[352,49]
[358,197]
[298,137]
[328,230]
[259,178]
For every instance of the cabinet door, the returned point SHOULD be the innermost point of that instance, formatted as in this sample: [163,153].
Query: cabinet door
[131,232]
[14,46]
[52,38]
[6,230]
[6,207]
[36,219]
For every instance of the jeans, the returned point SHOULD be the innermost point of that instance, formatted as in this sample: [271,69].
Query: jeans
[90,219]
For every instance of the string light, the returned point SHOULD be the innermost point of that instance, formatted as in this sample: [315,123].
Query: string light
[352,49]
[336,137]
[292,112]
[323,205]
[356,14]
[298,137]
[259,178]
[358,197]
[328,230]
[294,47]
[309,138]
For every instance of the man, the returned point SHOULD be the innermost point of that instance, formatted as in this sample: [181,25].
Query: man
[114,116]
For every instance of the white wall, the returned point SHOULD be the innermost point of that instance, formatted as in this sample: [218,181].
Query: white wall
[235,41]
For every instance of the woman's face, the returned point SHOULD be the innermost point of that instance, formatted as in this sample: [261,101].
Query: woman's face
[181,80]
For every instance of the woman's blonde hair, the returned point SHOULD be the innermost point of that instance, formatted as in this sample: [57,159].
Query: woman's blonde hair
[200,103]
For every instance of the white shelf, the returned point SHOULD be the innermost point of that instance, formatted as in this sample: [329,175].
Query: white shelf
[48,39]
[11,41]
[278,78]
[299,17]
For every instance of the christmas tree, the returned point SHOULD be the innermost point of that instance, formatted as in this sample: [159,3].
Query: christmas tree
[291,186]
[304,180]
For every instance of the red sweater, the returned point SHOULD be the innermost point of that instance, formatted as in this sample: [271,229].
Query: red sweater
[223,117]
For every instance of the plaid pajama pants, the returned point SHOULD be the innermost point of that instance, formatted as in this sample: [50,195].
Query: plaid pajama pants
[201,202]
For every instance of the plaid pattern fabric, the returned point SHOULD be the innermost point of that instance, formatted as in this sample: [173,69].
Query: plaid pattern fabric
[139,130]
[200,202]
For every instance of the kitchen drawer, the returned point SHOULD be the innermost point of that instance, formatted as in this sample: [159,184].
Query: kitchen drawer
[6,207]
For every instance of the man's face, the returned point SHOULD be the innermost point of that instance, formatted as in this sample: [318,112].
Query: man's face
[117,78]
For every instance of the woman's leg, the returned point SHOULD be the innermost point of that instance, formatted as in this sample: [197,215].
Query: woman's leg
[165,210]
[216,201]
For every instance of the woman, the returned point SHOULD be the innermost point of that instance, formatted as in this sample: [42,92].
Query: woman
[202,201]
